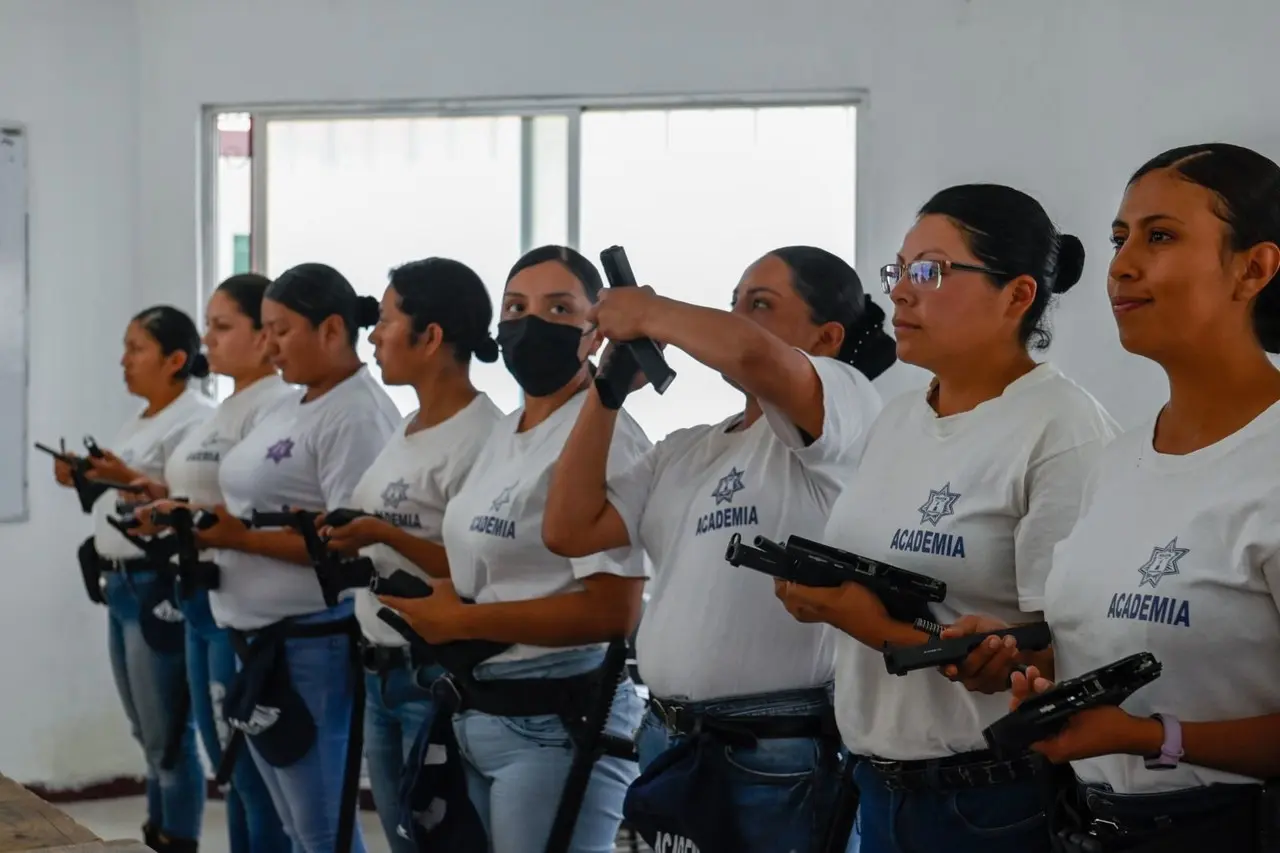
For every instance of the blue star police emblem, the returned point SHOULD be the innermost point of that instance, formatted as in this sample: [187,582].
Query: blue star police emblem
[729,485]
[1164,561]
[395,494]
[501,500]
[940,504]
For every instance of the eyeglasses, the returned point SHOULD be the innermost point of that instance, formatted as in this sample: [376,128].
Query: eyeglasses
[925,273]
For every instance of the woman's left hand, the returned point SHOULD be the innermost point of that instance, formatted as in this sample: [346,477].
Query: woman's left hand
[849,604]
[437,618]
[227,532]
[988,667]
[1093,732]
[623,313]
[109,467]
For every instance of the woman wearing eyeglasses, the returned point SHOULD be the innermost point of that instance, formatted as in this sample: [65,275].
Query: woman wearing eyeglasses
[972,483]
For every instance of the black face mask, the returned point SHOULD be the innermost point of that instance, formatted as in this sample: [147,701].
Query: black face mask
[542,356]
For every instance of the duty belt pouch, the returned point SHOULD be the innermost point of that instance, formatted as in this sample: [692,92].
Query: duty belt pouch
[436,812]
[261,702]
[683,799]
[163,625]
[91,571]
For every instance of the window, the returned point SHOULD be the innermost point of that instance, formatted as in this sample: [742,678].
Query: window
[695,194]
[233,203]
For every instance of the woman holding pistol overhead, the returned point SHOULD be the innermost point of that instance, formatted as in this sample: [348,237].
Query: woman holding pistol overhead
[971,482]
[516,738]
[146,634]
[721,658]
[294,695]
[435,316]
[1178,551]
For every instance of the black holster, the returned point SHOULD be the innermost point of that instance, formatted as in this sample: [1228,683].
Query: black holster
[91,571]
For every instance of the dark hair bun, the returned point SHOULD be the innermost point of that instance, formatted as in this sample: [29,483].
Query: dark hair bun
[486,350]
[199,366]
[368,311]
[1070,263]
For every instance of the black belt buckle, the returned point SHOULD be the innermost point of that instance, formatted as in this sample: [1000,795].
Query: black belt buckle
[675,718]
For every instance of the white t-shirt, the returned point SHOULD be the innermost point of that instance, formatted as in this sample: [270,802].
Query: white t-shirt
[302,456]
[145,445]
[1178,556]
[976,500]
[191,472]
[409,485]
[493,526]
[710,630]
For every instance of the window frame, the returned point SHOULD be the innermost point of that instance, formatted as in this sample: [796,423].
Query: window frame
[572,108]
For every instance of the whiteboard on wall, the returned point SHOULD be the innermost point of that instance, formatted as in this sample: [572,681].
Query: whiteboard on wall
[13,322]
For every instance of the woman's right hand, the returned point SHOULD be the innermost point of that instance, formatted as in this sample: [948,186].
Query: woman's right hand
[611,351]
[1025,686]
[62,473]
[154,490]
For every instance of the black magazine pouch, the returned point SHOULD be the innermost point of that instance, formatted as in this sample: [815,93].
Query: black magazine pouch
[261,701]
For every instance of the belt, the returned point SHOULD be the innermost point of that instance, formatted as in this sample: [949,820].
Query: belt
[1114,816]
[980,769]
[133,564]
[519,697]
[383,659]
[681,719]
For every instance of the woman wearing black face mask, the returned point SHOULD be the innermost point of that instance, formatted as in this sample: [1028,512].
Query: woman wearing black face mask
[556,612]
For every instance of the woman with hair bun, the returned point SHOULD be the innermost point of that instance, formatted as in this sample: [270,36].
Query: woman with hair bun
[1178,550]
[435,317]
[161,355]
[727,667]
[294,695]
[972,483]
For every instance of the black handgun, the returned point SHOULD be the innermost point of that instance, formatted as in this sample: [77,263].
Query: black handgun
[900,660]
[88,491]
[906,595]
[615,377]
[400,584]
[1044,715]
[459,657]
[335,573]
[193,573]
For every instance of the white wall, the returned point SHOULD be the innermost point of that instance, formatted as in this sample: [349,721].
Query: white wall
[1061,99]
[68,71]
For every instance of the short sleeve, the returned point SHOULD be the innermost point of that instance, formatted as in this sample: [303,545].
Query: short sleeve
[628,451]
[344,451]
[1056,491]
[629,490]
[175,437]
[850,404]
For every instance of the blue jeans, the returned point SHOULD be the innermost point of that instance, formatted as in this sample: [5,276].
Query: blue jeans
[516,766]
[308,793]
[252,823]
[397,706]
[997,819]
[783,789]
[151,685]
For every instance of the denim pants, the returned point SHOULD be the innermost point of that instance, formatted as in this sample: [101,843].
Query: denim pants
[308,793]
[151,686]
[997,819]
[517,766]
[397,706]
[252,823]
[782,790]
